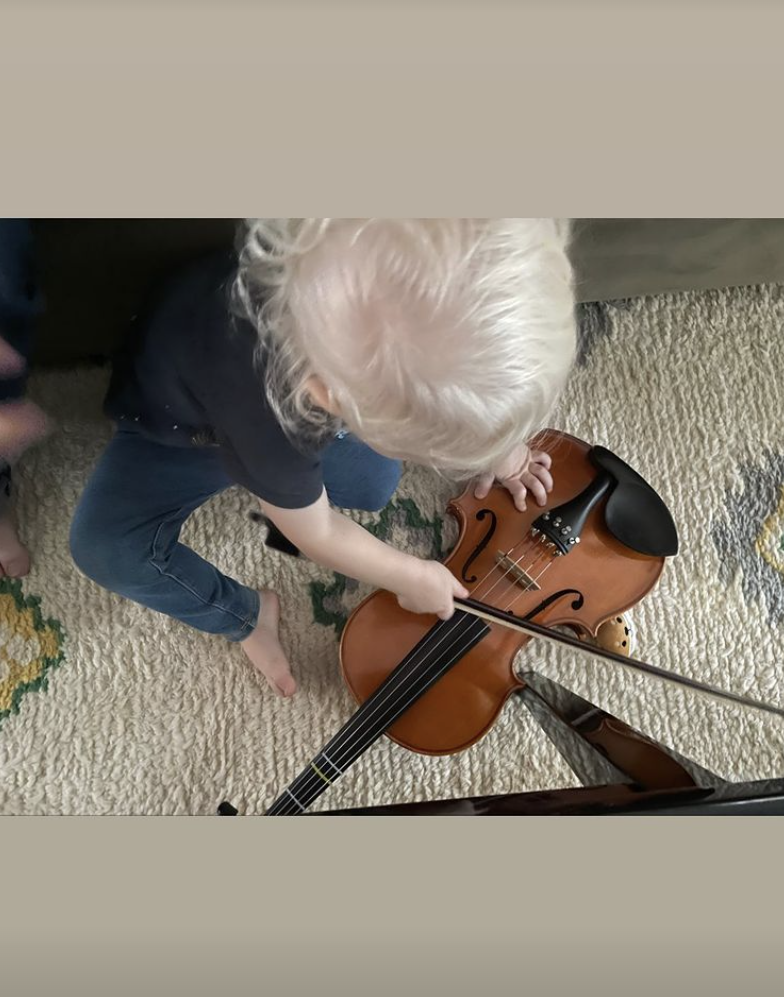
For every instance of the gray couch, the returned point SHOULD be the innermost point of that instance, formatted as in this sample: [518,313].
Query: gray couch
[97,273]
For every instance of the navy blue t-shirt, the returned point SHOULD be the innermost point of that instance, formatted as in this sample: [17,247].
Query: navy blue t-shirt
[188,378]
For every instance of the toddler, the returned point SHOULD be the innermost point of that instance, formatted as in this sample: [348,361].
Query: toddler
[306,369]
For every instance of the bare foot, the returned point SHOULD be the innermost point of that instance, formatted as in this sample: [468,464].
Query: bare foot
[264,650]
[14,558]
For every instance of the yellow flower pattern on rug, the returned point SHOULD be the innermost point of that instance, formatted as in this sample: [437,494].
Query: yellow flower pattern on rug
[30,646]
[770,541]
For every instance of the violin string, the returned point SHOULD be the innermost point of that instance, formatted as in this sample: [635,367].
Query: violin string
[529,568]
[510,569]
[530,542]
[343,755]
[340,753]
[544,553]
[443,630]
[420,662]
[541,555]
[423,673]
[536,580]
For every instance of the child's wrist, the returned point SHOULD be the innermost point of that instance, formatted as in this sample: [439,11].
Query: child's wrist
[408,573]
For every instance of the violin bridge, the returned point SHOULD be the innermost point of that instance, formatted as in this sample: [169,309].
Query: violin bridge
[519,574]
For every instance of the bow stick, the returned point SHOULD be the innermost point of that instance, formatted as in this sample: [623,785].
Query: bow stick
[512,622]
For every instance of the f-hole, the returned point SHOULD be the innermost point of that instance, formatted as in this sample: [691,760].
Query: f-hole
[481,515]
[577,604]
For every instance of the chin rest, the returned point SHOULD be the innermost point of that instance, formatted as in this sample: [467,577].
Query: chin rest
[635,514]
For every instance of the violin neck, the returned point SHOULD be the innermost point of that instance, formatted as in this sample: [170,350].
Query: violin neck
[438,651]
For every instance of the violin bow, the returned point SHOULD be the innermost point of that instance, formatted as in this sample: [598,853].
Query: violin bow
[508,619]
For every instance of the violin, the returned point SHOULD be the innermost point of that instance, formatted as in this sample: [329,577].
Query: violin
[436,686]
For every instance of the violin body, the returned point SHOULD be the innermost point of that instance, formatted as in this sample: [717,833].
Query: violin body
[436,687]
[598,579]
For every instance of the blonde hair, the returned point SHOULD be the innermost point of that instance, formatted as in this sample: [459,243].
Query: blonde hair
[441,341]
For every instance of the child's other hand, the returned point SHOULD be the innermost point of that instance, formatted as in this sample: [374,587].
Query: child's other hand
[11,361]
[433,589]
[22,423]
[523,472]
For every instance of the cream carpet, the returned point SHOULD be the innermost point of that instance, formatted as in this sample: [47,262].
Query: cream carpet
[107,708]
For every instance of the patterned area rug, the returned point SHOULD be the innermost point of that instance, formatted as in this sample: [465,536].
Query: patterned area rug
[106,708]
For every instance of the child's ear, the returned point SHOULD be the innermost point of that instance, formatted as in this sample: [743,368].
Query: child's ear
[320,395]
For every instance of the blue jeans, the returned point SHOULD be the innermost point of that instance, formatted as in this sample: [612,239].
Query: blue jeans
[125,532]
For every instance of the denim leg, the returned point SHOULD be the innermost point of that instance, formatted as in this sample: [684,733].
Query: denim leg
[125,535]
[357,477]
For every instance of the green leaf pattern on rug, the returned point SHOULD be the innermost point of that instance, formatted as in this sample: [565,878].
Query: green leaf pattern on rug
[30,646]
[331,601]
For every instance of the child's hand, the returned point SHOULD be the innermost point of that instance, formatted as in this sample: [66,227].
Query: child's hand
[433,589]
[11,361]
[22,423]
[330,539]
[523,472]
